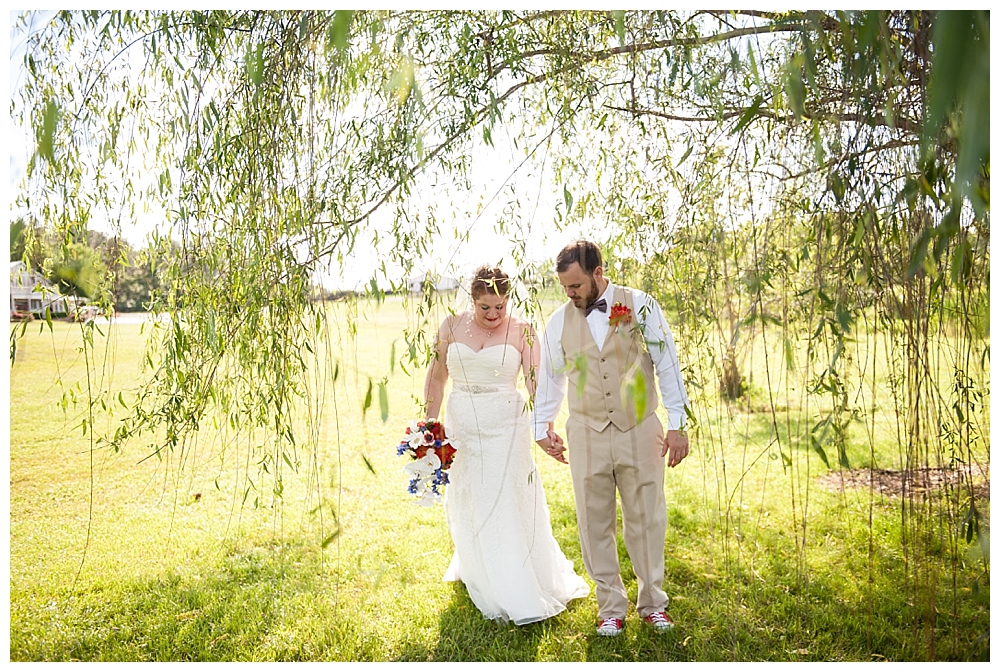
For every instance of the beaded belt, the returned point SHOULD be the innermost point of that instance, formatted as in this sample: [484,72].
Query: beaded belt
[476,389]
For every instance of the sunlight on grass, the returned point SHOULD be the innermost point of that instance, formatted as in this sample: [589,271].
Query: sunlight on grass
[119,557]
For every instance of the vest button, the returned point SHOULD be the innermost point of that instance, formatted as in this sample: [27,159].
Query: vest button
[607,394]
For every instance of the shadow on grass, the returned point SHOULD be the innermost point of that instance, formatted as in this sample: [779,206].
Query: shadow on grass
[834,612]
[465,635]
[272,603]
[261,601]
[237,611]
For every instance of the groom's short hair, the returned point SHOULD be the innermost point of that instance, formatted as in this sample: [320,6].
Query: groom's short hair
[582,252]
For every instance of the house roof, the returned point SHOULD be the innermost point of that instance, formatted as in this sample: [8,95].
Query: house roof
[22,277]
[439,279]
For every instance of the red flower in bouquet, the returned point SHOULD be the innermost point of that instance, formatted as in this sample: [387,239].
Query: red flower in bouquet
[434,437]
[431,454]
[620,314]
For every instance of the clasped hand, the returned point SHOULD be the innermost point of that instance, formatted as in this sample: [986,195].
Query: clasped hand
[554,445]
[675,447]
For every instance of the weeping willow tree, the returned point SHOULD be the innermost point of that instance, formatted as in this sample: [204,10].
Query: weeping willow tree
[791,179]
[815,206]
[866,136]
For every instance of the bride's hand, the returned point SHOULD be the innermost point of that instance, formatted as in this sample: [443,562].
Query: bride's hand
[555,447]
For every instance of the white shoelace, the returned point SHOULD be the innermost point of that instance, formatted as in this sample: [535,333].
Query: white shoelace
[658,620]
[609,625]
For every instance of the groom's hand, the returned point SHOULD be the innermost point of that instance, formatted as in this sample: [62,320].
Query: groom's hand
[675,447]
[554,446]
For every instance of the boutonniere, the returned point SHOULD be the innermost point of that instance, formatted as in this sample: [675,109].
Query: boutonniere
[620,314]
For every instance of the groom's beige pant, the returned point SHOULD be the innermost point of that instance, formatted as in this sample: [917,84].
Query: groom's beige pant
[629,462]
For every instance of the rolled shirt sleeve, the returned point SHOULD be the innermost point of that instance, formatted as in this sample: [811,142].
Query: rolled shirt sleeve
[552,375]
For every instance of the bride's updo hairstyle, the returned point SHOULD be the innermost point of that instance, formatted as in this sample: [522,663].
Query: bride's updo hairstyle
[489,280]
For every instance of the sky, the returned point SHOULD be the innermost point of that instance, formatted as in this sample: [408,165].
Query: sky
[492,169]
[17,142]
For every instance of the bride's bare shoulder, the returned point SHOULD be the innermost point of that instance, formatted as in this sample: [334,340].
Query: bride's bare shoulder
[520,325]
[453,318]
[448,326]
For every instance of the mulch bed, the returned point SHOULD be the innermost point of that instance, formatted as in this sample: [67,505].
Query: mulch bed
[892,481]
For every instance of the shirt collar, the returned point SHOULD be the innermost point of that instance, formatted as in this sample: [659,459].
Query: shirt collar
[608,294]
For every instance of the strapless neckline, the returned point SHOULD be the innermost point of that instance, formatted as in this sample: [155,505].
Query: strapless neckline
[476,352]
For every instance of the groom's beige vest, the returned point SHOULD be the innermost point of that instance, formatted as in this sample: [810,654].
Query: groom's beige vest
[600,390]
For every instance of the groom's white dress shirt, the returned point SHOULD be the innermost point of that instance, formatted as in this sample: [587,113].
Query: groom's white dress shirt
[660,342]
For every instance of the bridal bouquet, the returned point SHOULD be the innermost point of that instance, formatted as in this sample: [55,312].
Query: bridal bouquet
[431,454]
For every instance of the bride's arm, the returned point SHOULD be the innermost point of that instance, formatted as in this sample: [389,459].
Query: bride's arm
[437,373]
[531,357]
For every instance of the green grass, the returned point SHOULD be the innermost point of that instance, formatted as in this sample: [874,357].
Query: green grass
[113,557]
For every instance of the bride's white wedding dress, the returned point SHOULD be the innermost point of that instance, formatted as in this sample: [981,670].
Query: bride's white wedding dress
[494,503]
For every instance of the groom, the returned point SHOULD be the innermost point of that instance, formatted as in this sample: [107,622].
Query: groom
[607,341]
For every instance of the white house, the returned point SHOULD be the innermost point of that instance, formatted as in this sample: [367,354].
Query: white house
[438,282]
[32,293]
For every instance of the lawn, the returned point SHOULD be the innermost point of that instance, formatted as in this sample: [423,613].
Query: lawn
[190,555]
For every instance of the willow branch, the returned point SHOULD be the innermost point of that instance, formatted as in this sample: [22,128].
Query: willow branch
[892,144]
[475,119]
[665,44]
[906,125]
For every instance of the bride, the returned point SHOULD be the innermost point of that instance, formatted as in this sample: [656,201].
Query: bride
[495,507]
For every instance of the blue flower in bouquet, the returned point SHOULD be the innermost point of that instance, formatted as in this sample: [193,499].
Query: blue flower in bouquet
[431,453]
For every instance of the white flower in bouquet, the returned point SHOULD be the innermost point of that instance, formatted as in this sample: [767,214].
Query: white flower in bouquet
[431,453]
[423,467]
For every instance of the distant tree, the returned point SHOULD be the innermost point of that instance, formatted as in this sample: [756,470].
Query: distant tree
[134,287]
[77,270]
[136,280]
[77,262]
[27,243]
[17,242]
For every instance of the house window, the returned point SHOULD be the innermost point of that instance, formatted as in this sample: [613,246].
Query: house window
[36,304]
[21,305]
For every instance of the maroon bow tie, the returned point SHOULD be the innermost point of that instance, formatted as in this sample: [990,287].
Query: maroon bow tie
[600,305]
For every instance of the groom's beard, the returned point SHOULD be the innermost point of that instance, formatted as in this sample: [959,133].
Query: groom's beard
[583,301]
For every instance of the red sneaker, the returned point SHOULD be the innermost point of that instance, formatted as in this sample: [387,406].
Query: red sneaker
[660,621]
[610,627]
